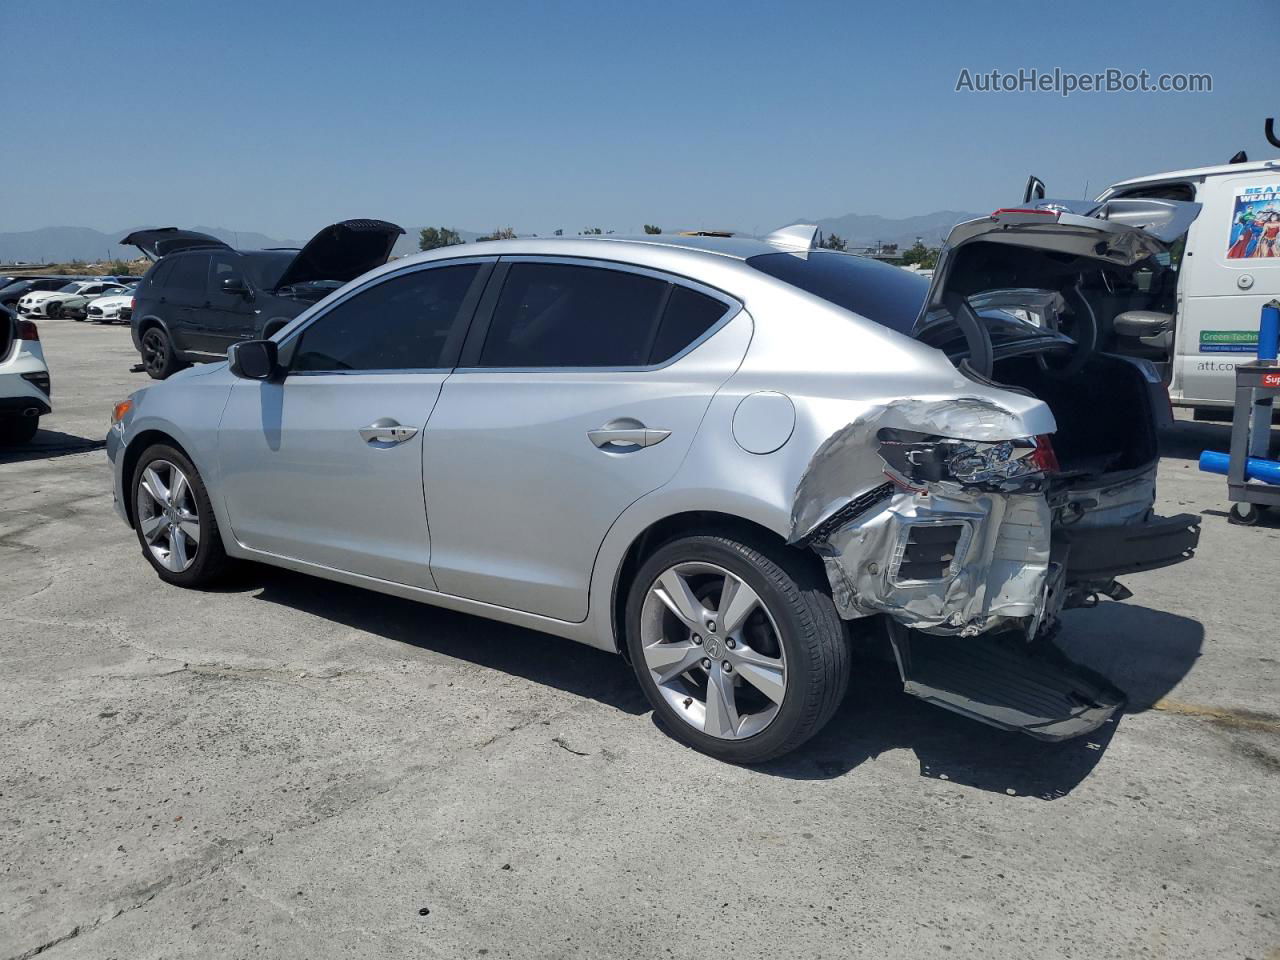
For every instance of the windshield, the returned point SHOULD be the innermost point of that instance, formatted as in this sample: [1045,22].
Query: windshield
[69,288]
[878,291]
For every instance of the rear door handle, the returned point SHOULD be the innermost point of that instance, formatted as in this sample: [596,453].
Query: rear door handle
[385,432]
[626,434]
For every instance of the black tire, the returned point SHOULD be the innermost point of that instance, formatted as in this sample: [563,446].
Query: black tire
[810,632]
[53,310]
[211,559]
[158,356]
[16,430]
[1244,514]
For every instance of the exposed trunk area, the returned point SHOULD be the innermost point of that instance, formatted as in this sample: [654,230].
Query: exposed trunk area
[1106,423]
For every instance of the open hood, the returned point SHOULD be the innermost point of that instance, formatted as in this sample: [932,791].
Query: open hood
[342,251]
[1052,277]
[162,241]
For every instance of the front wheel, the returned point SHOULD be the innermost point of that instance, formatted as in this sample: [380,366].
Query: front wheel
[737,646]
[158,357]
[174,519]
[53,310]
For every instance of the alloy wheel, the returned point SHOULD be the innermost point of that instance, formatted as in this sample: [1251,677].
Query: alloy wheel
[713,650]
[153,351]
[168,515]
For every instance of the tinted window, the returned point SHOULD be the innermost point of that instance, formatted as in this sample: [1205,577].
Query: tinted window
[688,316]
[562,315]
[157,275]
[188,274]
[878,291]
[223,266]
[399,324]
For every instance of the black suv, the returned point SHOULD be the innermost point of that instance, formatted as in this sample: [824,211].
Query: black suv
[201,296]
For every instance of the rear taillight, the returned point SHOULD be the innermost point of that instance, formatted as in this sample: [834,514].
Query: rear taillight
[1044,456]
[133,302]
[921,459]
[27,330]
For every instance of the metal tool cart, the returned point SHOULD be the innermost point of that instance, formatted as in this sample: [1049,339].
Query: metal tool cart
[1252,478]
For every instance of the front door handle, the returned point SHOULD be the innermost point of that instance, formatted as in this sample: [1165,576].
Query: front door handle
[626,434]
[385,432]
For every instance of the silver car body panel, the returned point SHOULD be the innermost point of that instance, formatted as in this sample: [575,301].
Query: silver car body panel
[548,555]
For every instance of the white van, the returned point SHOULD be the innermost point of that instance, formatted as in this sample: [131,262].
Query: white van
[1230,267]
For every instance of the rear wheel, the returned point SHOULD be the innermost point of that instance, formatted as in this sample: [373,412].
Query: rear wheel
[737,646]
[158,357]
[16,430]
[174,519]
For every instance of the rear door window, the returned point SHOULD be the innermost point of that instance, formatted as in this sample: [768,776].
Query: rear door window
[570,315]
[402,323]
[688,316]
[187,275]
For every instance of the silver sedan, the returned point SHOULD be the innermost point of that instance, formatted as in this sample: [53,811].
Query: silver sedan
[731,461]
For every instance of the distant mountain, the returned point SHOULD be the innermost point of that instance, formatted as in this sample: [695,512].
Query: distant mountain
[863,230]
[61,244]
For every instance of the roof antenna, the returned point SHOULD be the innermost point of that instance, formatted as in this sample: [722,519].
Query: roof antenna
[1270,129]
[1240,157]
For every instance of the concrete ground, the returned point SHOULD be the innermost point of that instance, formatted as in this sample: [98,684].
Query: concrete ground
[290,768]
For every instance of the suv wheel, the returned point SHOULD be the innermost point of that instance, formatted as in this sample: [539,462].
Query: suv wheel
[174,519]
[158,357]
[737,646]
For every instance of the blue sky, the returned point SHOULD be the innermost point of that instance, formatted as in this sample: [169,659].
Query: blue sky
[281,117]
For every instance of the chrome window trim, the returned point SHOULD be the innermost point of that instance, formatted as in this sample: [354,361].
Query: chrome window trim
[289,343]
[734,306]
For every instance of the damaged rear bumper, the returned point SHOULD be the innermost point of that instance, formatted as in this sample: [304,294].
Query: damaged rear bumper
[972,583]
[956,561]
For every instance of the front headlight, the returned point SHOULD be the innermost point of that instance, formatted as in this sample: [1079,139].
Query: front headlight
[921,458]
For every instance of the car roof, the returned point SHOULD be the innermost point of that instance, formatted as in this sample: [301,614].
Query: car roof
[1192,173]
[607,247]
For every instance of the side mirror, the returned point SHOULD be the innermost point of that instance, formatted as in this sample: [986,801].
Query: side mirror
[254,360]
[236,287]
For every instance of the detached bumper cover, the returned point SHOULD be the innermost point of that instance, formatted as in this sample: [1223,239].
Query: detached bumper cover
[1005,682]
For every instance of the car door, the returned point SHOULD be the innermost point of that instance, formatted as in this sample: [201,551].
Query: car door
[580,390]
[325,465]
[182,296]
[226,317]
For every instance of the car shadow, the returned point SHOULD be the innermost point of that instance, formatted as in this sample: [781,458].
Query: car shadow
[48,444]
[538,657]
[1142,651]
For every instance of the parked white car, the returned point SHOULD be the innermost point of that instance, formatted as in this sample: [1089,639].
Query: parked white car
[48,303]
[111,308]
[24,379]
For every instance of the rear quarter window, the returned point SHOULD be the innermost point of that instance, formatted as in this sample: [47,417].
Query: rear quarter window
[889,295]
